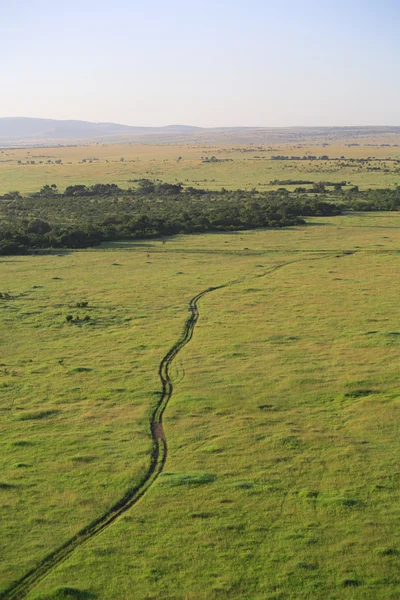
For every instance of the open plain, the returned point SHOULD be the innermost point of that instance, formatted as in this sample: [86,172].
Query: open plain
[281,477]
[368,163]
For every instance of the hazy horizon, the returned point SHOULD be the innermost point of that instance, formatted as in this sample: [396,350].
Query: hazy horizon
[210,65]
[235,126]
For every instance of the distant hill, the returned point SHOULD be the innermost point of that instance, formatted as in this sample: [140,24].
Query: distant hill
[18,131]
[27,130]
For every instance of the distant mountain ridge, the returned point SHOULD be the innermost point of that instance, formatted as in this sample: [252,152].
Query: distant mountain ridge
[25,128]
[25,131]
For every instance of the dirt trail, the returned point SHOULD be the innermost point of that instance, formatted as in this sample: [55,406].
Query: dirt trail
[20,588]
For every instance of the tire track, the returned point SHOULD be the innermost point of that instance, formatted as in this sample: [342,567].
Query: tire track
[20,588]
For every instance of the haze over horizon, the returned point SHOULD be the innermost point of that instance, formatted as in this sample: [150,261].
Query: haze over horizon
[190,126]
[208,65]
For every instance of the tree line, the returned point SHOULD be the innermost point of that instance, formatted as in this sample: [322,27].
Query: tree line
[84,216]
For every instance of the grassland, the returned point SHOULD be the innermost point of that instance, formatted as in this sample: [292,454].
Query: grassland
[282,475]
[240,167]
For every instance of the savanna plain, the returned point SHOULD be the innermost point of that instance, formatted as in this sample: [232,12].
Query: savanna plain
[368,163]
[282,475]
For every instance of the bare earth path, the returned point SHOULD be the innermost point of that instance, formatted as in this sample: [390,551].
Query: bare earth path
[20,588]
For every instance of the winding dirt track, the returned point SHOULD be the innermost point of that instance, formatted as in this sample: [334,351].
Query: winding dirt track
[20,588]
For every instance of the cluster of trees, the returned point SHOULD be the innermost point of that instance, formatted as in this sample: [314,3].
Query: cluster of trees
[308,157]
[99,189]
[40,162]
[349,161]
[372,200]
[214,159]
[290,182]
[85,216]
[306,182]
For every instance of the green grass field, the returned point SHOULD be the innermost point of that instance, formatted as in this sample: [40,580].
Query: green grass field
[241,167]
[282,477]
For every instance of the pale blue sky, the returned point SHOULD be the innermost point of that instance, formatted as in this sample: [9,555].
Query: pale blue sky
[207,63]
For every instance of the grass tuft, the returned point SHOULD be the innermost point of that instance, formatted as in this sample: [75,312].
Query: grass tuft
[186,479]
[67,593]
[37,415]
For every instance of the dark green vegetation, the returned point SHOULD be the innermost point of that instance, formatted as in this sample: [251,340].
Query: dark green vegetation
[282,478]
[83,216]
[86,216]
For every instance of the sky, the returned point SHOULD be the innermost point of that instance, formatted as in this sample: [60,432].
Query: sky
[208,63]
